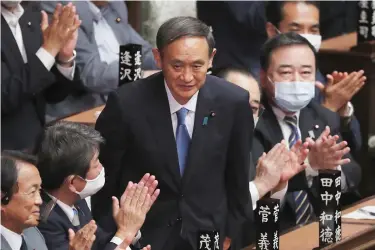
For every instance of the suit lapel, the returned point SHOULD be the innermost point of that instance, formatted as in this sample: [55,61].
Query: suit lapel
[202,134]
[31,34]
[269,127]
[309,124]
[9,44]
[159,118]
[4,244]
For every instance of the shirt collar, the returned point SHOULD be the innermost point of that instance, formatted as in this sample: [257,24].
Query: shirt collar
[95,11]
[14,239]
[280,115]
[68,210]
[12,17]
[174,106]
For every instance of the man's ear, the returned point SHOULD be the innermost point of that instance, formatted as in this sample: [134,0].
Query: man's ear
[157,57]
[211,58]
[74,183]
[271,30]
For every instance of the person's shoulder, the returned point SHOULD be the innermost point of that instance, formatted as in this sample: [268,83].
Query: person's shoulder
[140,87]
[34,233]
[329,117]
[226,90]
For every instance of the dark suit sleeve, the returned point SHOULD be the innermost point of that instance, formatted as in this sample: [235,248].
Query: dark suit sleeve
[237,171]
[352,134]
[31,79]
[112,127]
[55,235]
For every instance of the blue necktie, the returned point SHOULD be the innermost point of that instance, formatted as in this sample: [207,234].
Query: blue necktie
[182,139]
[303,208]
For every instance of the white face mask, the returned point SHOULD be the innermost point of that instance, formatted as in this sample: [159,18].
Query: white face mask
[10,4]
[293,96]
[93,186]
[314,40]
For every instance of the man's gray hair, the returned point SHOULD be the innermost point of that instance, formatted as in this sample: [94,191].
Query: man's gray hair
[183,26]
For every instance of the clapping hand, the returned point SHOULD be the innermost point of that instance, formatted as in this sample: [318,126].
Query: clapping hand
[326,152]
[84,238]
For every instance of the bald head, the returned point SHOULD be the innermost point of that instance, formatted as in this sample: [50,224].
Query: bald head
[244,80]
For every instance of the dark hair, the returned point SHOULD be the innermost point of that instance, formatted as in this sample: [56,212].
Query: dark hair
[9,172]
[66,148]
[275,10]
[279,41]
[183,26]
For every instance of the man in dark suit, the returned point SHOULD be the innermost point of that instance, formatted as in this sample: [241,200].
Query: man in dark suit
[20,206]
[70,171]
[287,79]
[333,92]
[29,75]
[239,35]
[191,130]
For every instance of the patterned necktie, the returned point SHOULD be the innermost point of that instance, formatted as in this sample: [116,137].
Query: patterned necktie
[182,139]
[24,245]
[75,221]
[303,208]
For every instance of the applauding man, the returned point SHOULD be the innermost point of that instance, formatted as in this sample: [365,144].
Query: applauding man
[70,171]
[37,66]
[288,81]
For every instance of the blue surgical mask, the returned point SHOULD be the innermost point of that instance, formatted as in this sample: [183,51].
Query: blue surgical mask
[293,96]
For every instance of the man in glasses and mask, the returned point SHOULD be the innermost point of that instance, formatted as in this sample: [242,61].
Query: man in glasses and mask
[335,90]
[20,206]
[288,83]
[70,170]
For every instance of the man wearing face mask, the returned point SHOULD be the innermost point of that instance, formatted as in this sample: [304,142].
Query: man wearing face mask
[70,171]
[20,206]
[287,80]
[335,91]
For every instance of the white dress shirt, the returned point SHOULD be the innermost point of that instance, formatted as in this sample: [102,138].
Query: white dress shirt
[106,40]
[174,106]
[286,130]
[12,18]
[14,239]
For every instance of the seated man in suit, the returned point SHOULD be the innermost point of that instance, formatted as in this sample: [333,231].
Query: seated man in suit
[20,206]
[37,66]
[104,28]
[338,89]
[287,80]
[70,170]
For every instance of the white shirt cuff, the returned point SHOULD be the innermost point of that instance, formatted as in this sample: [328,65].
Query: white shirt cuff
[116,240]
[136,238]
[310,174]
[343,180]
[46,58]
[349,111]
[67,72]
[254,194]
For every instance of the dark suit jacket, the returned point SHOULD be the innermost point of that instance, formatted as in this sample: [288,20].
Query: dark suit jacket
[239,31]
[55,229]
[25,88]
[136,124]
[268,133]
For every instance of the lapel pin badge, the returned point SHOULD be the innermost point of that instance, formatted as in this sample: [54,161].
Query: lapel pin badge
[118,20]
[29,23]
[316,126]
[205,121]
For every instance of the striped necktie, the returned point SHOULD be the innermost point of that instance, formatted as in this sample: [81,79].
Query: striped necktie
[182,139]
[303,207]
[75,221]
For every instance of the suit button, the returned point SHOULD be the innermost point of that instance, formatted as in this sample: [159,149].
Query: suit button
[179,219]
[182,196]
